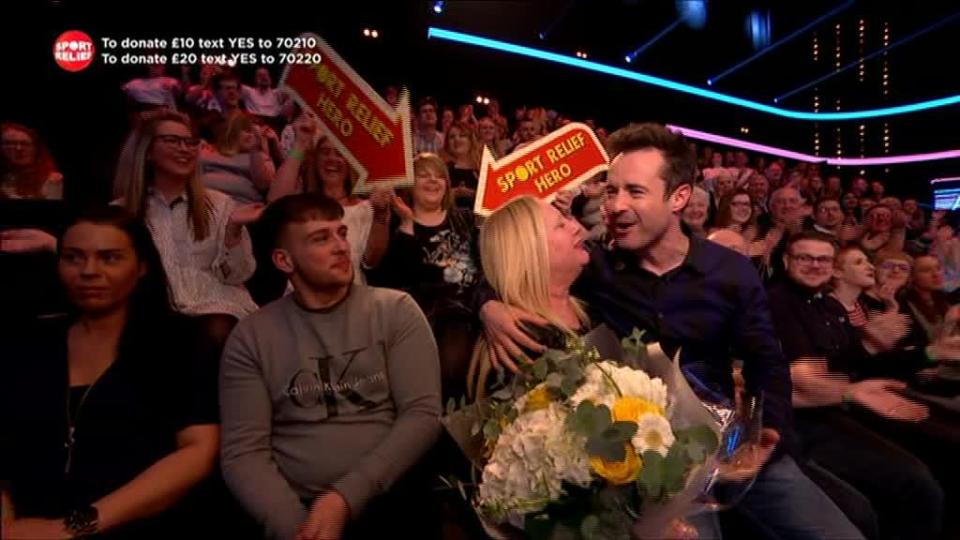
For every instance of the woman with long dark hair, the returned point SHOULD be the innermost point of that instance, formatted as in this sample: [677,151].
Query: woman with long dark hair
[109,416]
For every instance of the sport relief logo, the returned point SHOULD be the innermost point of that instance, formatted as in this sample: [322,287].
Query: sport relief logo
[73,50]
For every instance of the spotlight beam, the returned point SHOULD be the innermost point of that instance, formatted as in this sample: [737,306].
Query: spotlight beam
[543,34]
[669,28]
[812,24]
[870,56]
[590,65]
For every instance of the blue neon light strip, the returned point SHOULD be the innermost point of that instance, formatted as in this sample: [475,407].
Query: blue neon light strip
[503,46]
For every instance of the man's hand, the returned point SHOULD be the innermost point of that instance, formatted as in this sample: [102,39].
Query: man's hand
[504,336]
[26,241]
[327,519]
[747,461]
[879,395]
[34,529]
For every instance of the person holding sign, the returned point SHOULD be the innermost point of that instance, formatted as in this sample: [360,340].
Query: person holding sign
[318,166]
[433,256]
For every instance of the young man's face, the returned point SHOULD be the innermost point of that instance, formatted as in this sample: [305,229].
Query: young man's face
[810,263]
[316,251]
[829,214]
[638,212]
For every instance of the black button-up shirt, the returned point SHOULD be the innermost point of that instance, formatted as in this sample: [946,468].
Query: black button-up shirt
[713,306]
[812,324]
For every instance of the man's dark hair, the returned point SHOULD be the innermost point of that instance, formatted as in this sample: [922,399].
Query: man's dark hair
[427,100]
[298,208]
[816,236]
[680,160]
[816,205]
[222,77]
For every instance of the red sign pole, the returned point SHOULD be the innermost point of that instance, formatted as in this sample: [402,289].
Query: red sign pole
[373,137]
[561,160]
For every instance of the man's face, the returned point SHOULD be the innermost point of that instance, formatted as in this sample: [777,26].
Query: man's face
[785,205]
[316,253]
[526,131]
[758,187]
[263,78]
[774,172]
[810,263]
[228,92]
[860,186]
[637,212]
[428,116]
[829,214]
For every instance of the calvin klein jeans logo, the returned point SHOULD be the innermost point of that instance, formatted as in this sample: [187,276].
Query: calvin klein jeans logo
[308,388]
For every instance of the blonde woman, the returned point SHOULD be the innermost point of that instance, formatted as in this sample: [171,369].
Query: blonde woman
[200,233]
[531,255]
[463,149]
[239,163]
[433,256]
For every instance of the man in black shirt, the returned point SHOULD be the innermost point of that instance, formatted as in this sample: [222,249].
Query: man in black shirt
[693,294]
[824,350]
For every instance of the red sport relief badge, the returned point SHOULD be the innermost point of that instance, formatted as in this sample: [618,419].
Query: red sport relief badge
[73,50]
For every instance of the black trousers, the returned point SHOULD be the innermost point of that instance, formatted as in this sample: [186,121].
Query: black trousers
[907,499]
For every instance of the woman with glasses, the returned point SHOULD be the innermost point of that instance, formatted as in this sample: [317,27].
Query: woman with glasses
[735,212]
[27,170]
[200,233]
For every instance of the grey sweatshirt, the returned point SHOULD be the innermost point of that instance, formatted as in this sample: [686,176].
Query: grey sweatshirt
[346,398]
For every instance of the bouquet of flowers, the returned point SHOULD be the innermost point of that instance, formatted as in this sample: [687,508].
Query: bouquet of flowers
[585,445]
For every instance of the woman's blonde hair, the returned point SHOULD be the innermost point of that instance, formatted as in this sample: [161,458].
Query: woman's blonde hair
[135,173]
[228,132]
[435,164]
[516,264]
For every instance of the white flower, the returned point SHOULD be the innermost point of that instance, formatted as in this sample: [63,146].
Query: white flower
[631,382]
[532,458]
[653,433]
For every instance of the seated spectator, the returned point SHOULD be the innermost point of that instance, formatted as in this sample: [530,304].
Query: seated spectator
[774,174]
[877,190]
[724,183]
[925,297]
[735,212]
[824,357]
[331,395]
[463,150]
[759,189]
[916,218]
[532,254]
[881,231]
[828,219]
[785,219]
[696,212]
[27,171]
[264,100]
[319,167]
[446,120]
[201,96]
[946,248]
[866,203]
[226,93]
[526,133]
[426,138]
[814,189]
[833,188]
[200,233]
[493,112]
[490,137]
[156,90]
[433,256]
[860,187]
[730,239]
[466,117]
[851,208]
[109,416]
[238,164]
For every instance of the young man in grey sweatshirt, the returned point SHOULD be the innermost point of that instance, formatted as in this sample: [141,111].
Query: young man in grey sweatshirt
[329,395]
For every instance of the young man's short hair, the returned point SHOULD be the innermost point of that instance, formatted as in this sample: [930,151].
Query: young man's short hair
[298,208]
[680,160]
[816,236]
[427,100]
[223,77]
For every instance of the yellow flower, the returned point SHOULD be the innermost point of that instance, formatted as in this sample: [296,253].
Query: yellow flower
[618,472]
[629,409]
[538,398]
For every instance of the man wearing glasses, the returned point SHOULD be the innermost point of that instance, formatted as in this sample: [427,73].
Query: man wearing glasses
[824,351]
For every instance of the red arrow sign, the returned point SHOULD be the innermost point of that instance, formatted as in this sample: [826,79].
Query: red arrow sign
[374,138]
[561,160]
